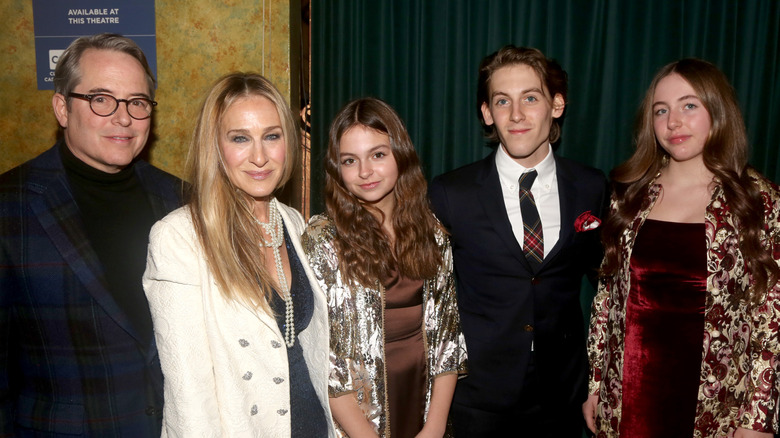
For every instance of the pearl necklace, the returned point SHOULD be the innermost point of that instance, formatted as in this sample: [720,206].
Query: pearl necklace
[275,229]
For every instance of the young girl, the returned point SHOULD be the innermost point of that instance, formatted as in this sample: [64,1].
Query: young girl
[683,339]
[385,265]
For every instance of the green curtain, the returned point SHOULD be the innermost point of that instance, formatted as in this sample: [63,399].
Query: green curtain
[422,57]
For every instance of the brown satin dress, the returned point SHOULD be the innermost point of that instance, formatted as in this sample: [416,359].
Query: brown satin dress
[404,355]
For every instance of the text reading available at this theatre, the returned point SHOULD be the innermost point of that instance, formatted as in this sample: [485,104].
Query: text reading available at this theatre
[93,16]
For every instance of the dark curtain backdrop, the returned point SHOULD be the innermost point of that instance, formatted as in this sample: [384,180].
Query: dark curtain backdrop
[422,57]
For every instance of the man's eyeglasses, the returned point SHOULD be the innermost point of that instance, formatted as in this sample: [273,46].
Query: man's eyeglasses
[104,105]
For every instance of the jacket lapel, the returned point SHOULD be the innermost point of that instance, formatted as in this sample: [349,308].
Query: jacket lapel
[55,208]
[492,199]
[162,203]
[567,196]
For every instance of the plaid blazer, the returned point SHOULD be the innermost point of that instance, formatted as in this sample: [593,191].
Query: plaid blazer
[70,361]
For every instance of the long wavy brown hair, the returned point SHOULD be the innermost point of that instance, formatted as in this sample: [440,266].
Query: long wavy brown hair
[363,249]
[725,155]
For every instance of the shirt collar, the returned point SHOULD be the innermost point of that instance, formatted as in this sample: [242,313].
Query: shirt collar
[509,170]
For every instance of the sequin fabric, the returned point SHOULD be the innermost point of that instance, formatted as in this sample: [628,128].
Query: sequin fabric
[356,323]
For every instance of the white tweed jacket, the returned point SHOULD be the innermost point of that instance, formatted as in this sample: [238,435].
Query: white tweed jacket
[225,365]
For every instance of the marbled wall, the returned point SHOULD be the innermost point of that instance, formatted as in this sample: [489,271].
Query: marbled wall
[197,42]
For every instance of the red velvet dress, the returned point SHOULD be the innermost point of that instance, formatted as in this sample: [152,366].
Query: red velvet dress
[664,330]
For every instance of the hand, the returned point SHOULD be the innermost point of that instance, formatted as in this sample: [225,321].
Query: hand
[436,423]
[747,433]
[589,412]
[428,432]
[346,412]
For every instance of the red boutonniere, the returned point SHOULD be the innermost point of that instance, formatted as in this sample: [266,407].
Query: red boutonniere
[586,222]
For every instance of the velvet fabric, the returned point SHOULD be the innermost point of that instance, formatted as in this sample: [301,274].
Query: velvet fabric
[307,416]
[664,319]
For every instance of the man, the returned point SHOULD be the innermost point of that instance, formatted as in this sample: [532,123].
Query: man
[77,351]
[519,270]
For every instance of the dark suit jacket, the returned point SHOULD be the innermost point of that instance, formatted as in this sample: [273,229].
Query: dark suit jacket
[70,360]
[503,304]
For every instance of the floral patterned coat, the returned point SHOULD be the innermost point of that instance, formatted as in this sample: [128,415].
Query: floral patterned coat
[356,316]
[739,370]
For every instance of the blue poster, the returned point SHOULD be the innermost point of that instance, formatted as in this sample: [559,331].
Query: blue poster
[58,23]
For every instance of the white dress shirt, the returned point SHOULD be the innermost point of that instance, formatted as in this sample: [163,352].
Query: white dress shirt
[544,190]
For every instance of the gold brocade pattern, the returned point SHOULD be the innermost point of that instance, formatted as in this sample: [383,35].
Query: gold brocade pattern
[356,324]
[740,346]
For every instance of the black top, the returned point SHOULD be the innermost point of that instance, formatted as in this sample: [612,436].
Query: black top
[307,416]
[117,218]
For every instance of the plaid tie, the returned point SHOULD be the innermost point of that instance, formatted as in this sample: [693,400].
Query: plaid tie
[533,240]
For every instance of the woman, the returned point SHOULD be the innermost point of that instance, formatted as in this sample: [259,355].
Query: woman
[386,267]
[240,323]
[683,338]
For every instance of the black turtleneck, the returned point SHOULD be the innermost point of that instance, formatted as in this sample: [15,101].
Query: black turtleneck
[117,217]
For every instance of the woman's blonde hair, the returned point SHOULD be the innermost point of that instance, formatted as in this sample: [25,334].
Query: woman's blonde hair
[221,212]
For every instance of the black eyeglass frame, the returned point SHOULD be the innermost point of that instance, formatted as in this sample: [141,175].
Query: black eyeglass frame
[89,97]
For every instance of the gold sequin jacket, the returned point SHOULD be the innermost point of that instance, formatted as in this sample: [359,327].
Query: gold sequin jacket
[356,320]
[740,350]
